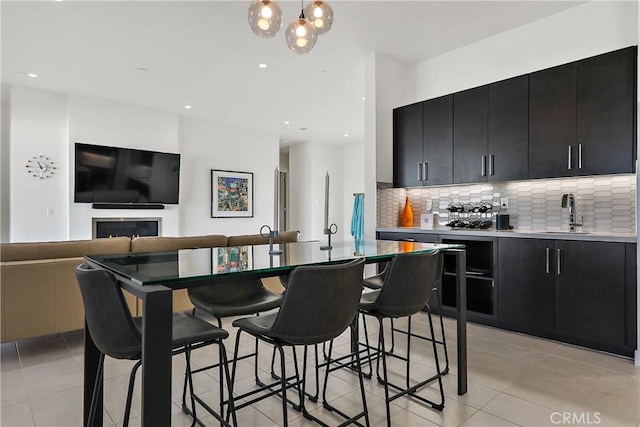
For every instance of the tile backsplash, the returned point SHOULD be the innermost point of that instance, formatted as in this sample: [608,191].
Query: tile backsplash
[606,203]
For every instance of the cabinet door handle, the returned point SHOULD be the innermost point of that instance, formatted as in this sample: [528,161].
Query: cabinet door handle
[548,260]
[490,164]
[483,169]
[579,156]
[425,171]
[419,177]
[569,166]
[558,261]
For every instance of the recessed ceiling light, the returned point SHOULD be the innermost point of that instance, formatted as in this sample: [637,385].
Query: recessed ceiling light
[32,75]
[363,98]
[287,122]
[188,107]
[302,129]
[263,65]
[346,135]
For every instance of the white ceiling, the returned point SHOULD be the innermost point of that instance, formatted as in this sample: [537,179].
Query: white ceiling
[203,54]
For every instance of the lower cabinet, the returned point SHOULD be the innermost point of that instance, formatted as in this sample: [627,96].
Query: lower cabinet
[526,288]
[573,291]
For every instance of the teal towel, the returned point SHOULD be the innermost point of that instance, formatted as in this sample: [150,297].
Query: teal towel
[357,218]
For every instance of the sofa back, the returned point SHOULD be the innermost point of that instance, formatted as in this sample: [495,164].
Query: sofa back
[258,239]
[65,249]
[166,244]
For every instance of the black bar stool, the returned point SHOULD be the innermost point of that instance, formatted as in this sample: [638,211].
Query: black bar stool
[320,303]
[405,291]
[117,334]
[375,282]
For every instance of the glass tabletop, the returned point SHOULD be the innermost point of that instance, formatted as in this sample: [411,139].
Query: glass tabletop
[178,268]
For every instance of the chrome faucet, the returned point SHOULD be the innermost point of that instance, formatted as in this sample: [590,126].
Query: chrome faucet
[569,201]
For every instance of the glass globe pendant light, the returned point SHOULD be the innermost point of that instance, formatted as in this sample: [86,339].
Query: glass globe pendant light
[320,14]
[301,35]
[265,18]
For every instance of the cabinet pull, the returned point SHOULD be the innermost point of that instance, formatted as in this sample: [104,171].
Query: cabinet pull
[483,169]
[490,164]
[425,171]
[419,177]
[579,156]
[548,260]
[569,166]
[558,261]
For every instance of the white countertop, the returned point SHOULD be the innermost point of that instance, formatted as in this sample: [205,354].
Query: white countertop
[528,234]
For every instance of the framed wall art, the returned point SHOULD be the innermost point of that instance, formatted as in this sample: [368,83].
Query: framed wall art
[231,194]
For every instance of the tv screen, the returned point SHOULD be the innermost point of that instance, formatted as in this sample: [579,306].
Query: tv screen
[123,175]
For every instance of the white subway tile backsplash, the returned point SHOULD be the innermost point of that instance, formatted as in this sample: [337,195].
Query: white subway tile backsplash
[606,203]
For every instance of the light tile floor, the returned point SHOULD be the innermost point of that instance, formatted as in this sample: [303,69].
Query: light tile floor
[514,379]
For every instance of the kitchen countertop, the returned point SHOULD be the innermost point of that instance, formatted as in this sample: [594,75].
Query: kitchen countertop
[526,234]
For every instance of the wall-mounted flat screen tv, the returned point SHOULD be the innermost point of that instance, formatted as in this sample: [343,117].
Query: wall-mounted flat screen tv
[123,175]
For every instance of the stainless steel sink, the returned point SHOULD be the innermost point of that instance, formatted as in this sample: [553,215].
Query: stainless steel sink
[567,232]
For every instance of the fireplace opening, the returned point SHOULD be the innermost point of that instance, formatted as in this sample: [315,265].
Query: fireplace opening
[129,227]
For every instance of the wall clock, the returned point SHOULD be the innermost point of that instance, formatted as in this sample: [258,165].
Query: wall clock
[40,167]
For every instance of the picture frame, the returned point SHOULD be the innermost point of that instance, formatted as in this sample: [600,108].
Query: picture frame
[231,194]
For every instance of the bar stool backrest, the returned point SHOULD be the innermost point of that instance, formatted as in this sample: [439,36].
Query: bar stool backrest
[225,292]
[320,303]
[107,315]
[408,283]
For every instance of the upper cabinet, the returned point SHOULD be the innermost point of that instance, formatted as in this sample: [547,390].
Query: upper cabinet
[582,117]
[407,146]
[606,113]
[508,129]
[571,120]
[437,140]
[470,135]
[423,143]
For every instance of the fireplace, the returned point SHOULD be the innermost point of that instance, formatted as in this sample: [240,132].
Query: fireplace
[129,227]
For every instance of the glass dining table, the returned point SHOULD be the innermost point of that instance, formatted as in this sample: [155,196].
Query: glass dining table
[152,277]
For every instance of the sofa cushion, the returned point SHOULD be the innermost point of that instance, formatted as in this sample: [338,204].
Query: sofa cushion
[64,249]
[165,244]
[258,239]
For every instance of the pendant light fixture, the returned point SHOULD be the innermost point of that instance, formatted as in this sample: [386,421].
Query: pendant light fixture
[265,18]
[320,14]
[301,35]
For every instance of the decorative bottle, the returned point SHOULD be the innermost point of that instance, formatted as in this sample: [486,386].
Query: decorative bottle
[407,214]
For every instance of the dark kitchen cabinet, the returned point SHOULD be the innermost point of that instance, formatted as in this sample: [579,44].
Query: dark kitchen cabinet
[581,292]
[437,142]
[552,119]
[423,143]
[590,291]
[606,93]
[470,120]
[407,146]
[508,130]
[631,297]
[526,294]
[582,117]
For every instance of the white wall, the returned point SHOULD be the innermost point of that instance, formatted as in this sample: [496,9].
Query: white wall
[393,84]
[207,145]
[49,123]
[353,183]
[582,31]
[103,122]
[5,164]
[308,165]
[38,126]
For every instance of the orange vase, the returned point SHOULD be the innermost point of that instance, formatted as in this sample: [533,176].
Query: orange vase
[407,215]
